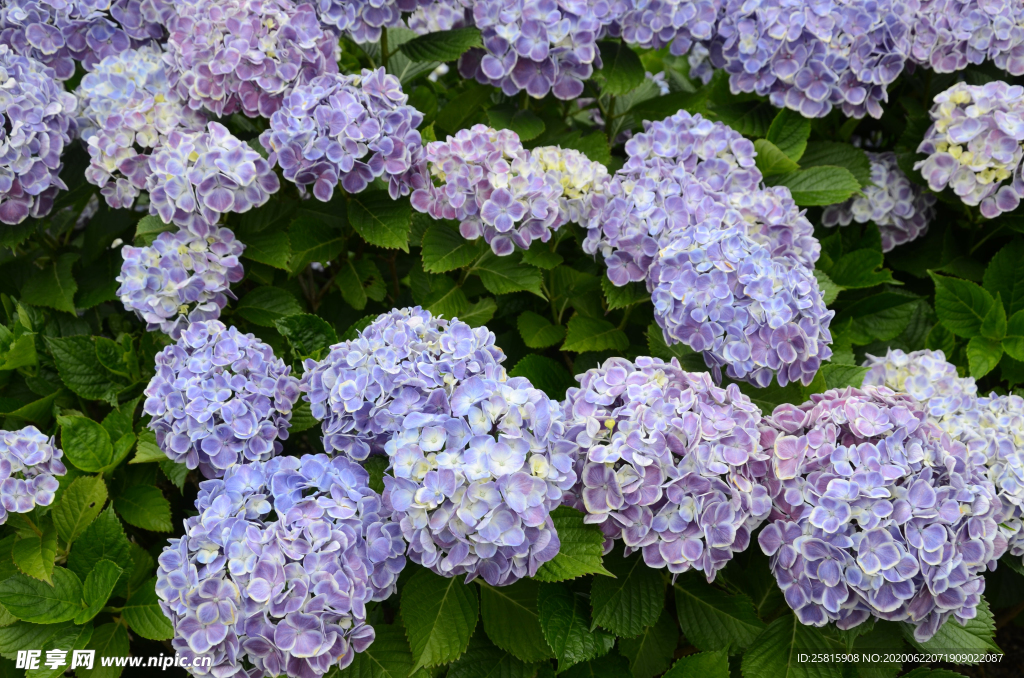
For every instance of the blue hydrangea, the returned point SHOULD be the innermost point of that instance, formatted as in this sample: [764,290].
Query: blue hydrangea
[924,375]
[475,467]
[951,34]
[668,462]
[583,181]
[273,576]
[438,15]
[195,177]
[901,209]
[220,398]
[29,462]
[36,123]
[182,277]
[877,512]
[347,129]
[128,107]
[975,145]
[362,20]
[678,24]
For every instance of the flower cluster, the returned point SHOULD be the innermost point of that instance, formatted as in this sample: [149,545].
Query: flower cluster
[494,187]
[438,15]
[220,398]
[583,182]
[974,145]
[276,570]
[668,462]
[349,129]
[901,209]
[197,176]
[28,463]
[475,467]
[36,122]
[362,20]
[163,281]
[128,104]
[950,34]
[811,57]
[877,512]
[230,55]
[677,23]
[925,376]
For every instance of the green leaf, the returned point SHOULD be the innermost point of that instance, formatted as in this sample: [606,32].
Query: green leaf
[446,299]
[67,638]
[144,506]
[143,613]
[266,305]
[312,240]
[771,160]
[504,275]
[978,635]
[380,220]
[650,653]
[593,334]
[387,657]
[622,69]
[97,589]
[689,360]
[25,636]
[80,369]
[749,118]
[537,331]
[594,146]
[147,450]
[442,45]
[270,246]
[630,601]
[776,652]
[545,374]
[456,112]
[1013,342]
[701,665]
[85,443]
[351,285]
[859,269]
[712,619]
[814,186]
[841,376]
[480,313]
[1004,276]
[440,614]
[35,601]
[176,471]
[524,123]
[512,621]
[148,228]
[104,538]
[307,333]
[34,550]
[829,290]
[837,154]
[484,660]
[994,324]
[880,317]
[22,353]
[611,665]
[790,132]
[108,640]
[565,619]
[79,505]
[54,286]
[540,256]
[625,296]
[580,551]
[444,248]
[961,305]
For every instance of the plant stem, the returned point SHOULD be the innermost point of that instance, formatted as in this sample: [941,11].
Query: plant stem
[384,47]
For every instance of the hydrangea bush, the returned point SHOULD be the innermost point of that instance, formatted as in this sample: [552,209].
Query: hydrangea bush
[363,338]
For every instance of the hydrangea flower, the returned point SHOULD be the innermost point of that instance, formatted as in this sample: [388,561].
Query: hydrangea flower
[488,182]
[36,122]
[811,57]
[924,375]
[679,24]
[347,129]
[274,574]
[231,55]
[128,106]
[668,462]
[583,182]
[220,398]
[901,209]
[438,15]
[197,176]
[362,20]
[974,145]
[29,462]
[950,34]
[877,512]
[475,467]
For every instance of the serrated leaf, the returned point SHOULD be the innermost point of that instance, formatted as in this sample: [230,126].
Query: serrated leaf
[621,69]
[270,246]
[545,374]
[143,613]
[594,146]
[440,614]
[480,313]
[712,619]
[593,334]
[1013,342]
[444,249]
[68,638]
[611,665]
[312,240]
[380,220]
[104,538]
[108,640]
[144,506]
[79,505]
[650,653]
[813,186]
[580,551]
[524,123]
[504,275]
[994,324]
[771,160]
[829,290]
[631,600]
[776,652]
[622,297]
[442,45]
[147,450]
[307,333]
[565,620]
[85,443]
[961,305]
[54,286]
[749,118]
[701,665]
[177,471]
[841,376]
[266,305]
[1004,276]
[22,353]
[36,601]
[983,355]
[26,636]
[387,657]
[149,227]
[34,550]
[97,588]
[80,369]
[456,112]
[880,317]
[484,660]
[837,154]
[512,621]
[351,286]
[789,132]
[859,269]
[537,331]
[446,299]
[976,636]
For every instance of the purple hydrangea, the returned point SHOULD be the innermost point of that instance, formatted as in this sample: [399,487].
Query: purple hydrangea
[231,55]
[128,107]
[36,123]
[362,20]
[220,398]
[667,462]
[347,129]
[924,375]
[901,209]
[197,176]
[583,181]
[950,34]
[974,145]
[813,56]
[274,574]
[488,182]
[182,277]
[679,24]
[29,462]
[877,512]
[474,464]
[438,15]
